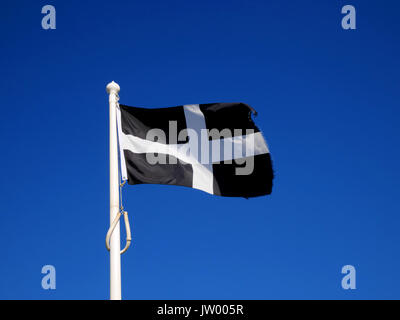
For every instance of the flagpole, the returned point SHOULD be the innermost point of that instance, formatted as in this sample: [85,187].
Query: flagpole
[115,256]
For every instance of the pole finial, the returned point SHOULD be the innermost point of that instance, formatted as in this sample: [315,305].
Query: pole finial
[113,87]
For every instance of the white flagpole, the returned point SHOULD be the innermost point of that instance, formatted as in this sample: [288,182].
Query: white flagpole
[115,256]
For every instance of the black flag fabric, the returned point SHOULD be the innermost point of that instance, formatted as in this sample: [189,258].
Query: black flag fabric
[213,147]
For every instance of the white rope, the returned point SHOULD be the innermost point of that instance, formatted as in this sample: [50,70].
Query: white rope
[116,220]
[127,227]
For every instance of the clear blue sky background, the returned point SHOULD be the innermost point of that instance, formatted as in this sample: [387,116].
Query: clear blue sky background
[328,103]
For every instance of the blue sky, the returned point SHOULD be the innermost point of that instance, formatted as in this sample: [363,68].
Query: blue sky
[328,104]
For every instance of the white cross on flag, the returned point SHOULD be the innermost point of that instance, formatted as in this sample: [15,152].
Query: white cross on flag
[214,147]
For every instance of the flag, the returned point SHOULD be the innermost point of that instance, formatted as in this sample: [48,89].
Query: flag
[216,148]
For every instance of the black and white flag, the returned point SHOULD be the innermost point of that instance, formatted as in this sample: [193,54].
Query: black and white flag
[214,147]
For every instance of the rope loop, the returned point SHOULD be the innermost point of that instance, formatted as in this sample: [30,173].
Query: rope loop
[115,222]
[127,228]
